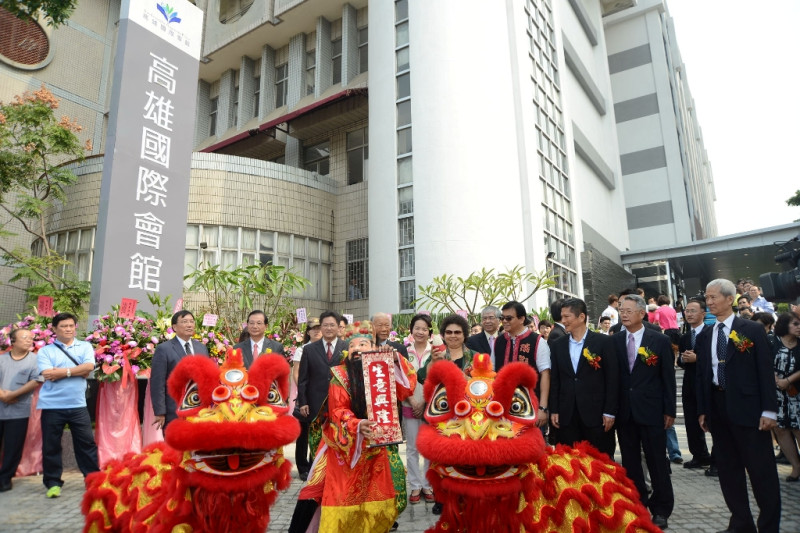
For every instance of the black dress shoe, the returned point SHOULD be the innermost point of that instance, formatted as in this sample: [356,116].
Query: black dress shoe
[437,508]
[303,476]
[4,487]
[712,471]
[695,463]
[660,521]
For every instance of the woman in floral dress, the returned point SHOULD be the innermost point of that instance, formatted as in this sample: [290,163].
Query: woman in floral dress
[787,380]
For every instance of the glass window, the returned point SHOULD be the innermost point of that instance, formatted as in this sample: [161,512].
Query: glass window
[401,34]
[403,59]
[404,141]
[401,9]
[357,156]
[212,128]
[407,295]
[357,269]
[403,86]
[406,231]
[336,58]
[281,84]
[404,175]
[363,50]
[407,262]
[311,69]
[404,113]
[405,201]
[317,158]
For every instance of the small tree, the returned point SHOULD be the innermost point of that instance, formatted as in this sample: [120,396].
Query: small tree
[32,144]
[794,200]
[232,293]
[56,11]
[479,289]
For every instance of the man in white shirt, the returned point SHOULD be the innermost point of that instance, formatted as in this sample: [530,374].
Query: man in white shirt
[612,311]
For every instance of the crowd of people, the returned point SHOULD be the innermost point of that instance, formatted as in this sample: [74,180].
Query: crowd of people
[610,384]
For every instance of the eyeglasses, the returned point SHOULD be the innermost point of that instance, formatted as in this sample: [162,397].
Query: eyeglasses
[490,317]
[508,318]
[453,332]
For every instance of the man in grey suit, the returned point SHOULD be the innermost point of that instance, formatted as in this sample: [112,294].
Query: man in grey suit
[166,357]
[257,344]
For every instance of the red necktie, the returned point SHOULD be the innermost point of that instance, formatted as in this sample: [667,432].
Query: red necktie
[330,352]
[255,350]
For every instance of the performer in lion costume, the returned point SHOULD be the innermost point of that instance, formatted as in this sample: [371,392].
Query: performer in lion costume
[492,472]
[223,463]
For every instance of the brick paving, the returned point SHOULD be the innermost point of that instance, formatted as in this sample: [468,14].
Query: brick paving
[699,506]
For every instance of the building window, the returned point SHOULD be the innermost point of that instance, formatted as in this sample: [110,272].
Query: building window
[317,158]
[357,156]
[405,201]
[311,68]
[281,84]
[336,58]
[407,262]
[357,269]
[406,231]
[363,50]
[407,295]
[212,128]
[231,247]
[75,246]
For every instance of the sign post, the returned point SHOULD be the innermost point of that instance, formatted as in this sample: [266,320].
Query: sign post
[144,194]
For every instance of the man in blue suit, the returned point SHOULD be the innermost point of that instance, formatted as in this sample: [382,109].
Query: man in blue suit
[166,357]
[736,402]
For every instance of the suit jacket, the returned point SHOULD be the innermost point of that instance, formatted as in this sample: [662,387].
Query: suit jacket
[749,375]
[648,392]
[166,357]
[590,392]
[247,349]
[479,343]
[556,333]
[315,375]
[689,369]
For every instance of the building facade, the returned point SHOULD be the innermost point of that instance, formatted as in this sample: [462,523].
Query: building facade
[373,146]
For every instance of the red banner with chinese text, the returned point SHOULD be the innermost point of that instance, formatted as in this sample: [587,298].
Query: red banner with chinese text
[379,386]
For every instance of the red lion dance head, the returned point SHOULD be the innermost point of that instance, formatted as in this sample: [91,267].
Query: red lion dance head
[491,469]
[224,463]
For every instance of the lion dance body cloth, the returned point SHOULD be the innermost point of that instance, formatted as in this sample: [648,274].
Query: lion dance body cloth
[492,472]
[223,461]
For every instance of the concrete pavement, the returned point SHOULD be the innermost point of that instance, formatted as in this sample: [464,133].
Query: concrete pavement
[699,506]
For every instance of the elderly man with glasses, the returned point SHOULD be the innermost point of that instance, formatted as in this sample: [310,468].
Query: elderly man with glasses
[484,341]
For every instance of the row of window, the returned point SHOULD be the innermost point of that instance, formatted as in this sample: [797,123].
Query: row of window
[316,158]
[281,89]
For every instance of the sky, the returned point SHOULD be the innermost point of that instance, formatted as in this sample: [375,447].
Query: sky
[743,71]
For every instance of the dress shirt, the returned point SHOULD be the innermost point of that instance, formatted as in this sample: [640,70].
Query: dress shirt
[575,349]
[491,342]
[260,344]
[727,325]
[612,313]
[637,338]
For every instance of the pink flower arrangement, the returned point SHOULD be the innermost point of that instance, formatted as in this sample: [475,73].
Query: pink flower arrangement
[123,342]
[216,344]
[40,327]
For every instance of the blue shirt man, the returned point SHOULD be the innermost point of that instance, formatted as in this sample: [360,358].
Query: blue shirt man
[65,364]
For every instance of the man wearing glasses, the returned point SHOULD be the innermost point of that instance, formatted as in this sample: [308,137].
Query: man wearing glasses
[519,343]
[257,343]
[484,341]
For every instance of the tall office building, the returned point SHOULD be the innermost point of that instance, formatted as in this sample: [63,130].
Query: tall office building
[371,146]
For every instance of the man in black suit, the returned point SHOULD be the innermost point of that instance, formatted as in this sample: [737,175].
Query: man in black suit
[558,330]
[312,384]
[646,405]
[483,342]
[736,401]
[695,313]
[167,355]
[584,382]
[257,344]
[382,323]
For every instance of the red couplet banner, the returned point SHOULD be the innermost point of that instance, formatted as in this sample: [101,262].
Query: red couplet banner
[379,386]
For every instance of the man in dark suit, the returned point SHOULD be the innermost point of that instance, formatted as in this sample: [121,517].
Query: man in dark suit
[257,344]
[167,355]
[584,382]
[646,405]
[483,342]
[558,330]
[382,323]
[695,312]
[312,384]
[736,401]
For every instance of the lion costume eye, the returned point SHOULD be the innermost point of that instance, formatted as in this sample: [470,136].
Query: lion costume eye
[191,398]
[439,404]
[521,405]
[274,396]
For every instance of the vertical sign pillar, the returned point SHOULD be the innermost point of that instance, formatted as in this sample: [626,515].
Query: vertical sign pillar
[144,195]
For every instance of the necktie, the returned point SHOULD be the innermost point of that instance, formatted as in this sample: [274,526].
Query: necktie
[722,346]
[188,348]
[255,350]
[694,337]
[330,352]
[491,344]
[631,351]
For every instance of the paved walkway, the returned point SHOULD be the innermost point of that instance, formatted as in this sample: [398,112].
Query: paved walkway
[699,506]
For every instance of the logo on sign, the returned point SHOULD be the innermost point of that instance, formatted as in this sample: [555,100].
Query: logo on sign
[169,13]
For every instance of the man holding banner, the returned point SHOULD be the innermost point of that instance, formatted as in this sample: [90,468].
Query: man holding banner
[360,487]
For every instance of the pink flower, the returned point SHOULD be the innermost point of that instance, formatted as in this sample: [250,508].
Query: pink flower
[132,344]
[135,369]
[40,344]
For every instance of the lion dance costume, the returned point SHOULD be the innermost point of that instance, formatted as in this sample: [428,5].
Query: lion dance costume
[492,472]
[224,461]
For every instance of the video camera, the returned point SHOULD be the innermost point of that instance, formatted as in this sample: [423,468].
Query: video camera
[784,286]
